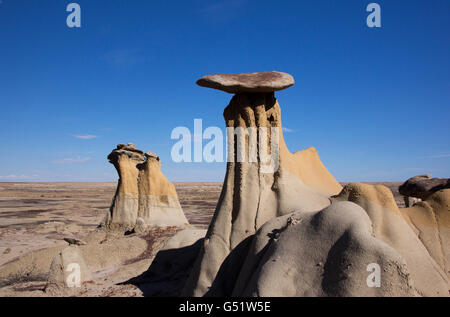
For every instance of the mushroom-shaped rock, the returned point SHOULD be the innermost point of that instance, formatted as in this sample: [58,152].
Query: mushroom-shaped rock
[142,192]
[423,186]
[293,230]
[255,190]
[248,82]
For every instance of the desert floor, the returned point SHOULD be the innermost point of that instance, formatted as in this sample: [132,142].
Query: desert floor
[37,216]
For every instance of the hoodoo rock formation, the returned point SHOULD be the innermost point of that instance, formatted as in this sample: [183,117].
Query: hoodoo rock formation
[294,231]
[283,226]
[143,194]
[252,193]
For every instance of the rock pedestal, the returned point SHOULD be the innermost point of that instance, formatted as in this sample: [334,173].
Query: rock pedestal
[263,179]
[142,192]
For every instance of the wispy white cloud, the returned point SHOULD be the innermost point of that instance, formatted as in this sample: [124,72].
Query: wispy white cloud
[72,160]
[17,177]
[437,156]
[54,176]
[85,136]
[287,130]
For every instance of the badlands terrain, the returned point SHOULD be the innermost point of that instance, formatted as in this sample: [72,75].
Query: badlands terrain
[280,225]
[38,216]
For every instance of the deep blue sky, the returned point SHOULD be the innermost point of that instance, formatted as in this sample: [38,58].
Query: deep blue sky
[374,102]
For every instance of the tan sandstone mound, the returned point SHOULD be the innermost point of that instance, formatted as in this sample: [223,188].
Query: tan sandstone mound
[331,252]
[324,253]
[430,220]
[328,253]
[389,226]
[66,266]
[255,190]
[142,192]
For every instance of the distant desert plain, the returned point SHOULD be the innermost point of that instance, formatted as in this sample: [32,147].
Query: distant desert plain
[39,215]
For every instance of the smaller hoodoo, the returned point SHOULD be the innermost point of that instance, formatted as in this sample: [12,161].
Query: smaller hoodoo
[143,195]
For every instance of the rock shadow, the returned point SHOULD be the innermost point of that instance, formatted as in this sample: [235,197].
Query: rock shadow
[168,272]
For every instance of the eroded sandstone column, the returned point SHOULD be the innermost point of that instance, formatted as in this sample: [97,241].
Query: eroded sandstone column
[158,199]
[124,209]
[252,194]
[142,192]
